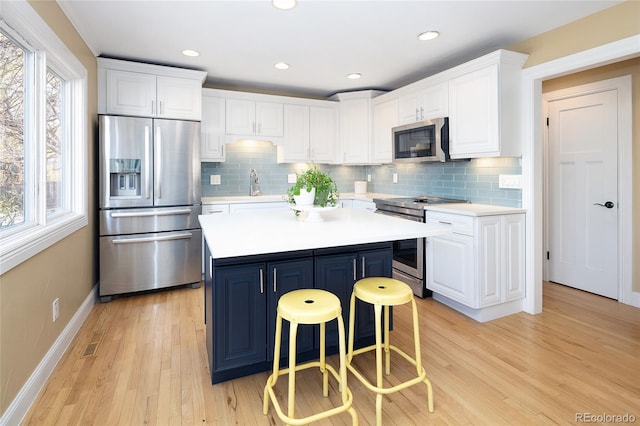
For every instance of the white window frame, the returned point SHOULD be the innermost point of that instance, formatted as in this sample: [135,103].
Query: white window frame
[20,20]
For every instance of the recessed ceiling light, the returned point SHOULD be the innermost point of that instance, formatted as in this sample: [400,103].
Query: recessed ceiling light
[189,52]
[354,75]
[428,35]
[284,4]
[281,65]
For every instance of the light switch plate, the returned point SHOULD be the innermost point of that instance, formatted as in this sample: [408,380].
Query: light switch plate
[510,181]
[214,179]
[395,178]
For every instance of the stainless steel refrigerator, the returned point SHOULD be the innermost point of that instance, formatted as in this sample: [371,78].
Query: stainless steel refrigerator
[149,178]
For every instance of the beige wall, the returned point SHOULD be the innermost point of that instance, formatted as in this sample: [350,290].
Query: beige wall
[612,24]
[67,270]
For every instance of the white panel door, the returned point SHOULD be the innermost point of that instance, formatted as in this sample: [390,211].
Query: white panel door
[583,174]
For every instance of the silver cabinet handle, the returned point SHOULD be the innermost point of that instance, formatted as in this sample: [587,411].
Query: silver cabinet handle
[147,159]
[275,287]
[261,282]
[151,213]
[210,266]
[363,263]
[444,223]
[354,270]
[183,236]
[159,162]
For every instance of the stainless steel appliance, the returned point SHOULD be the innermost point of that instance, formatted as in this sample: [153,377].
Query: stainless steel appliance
[408,255]
[149,179]
[421,141]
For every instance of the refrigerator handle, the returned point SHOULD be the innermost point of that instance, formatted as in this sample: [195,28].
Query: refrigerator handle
[158,141]
[147,159]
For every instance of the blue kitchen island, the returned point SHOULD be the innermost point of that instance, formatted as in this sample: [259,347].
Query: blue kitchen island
[252,258]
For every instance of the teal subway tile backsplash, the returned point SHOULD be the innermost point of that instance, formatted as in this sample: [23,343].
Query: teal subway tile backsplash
[475,180]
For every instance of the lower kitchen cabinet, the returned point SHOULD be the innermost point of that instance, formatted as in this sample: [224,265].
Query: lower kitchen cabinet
[480,265]
[241,297]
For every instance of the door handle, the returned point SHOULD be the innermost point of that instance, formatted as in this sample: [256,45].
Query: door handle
[608,204]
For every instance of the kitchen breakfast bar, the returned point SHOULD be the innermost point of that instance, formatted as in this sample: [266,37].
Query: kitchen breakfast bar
[252,258]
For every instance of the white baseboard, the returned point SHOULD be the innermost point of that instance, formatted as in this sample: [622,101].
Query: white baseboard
[483,314]
[29,392]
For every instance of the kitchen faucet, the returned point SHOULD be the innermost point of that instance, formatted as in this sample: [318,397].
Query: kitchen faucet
[254,183]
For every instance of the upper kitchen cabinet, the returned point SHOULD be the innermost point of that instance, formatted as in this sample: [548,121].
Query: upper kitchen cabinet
[354,126]
[212,128]
[385,117]
[248,117]
[484,106]
[145,90]
[424,103]
[310,133]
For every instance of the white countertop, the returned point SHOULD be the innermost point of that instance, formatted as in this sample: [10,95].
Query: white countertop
[367,196]
[262,232]
[473,209]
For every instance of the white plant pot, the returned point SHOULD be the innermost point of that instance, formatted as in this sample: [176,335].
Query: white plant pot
[305,198]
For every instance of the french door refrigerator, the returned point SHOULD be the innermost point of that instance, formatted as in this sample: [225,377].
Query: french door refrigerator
[149,180]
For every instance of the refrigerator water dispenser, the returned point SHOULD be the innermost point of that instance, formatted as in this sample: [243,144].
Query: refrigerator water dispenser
[125,177]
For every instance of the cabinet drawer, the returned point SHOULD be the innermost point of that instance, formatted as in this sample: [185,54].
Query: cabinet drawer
[461,224]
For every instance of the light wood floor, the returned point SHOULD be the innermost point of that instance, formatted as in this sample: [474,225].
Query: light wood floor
[581,355]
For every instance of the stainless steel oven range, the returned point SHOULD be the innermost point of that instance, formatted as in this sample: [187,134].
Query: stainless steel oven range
[408,255]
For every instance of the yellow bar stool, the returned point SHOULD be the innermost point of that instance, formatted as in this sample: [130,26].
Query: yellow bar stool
[384,292]
[308,306]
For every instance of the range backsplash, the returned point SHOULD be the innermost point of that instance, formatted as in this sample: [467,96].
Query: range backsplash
[475,180]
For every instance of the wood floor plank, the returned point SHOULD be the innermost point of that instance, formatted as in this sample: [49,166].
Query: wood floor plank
[580,355]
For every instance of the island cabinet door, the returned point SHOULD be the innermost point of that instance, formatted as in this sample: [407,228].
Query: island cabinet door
[336,273]
[285,276]
[239,312]
[372,263]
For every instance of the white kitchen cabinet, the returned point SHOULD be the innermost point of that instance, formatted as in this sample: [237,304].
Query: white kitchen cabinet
[481,264]
[215,208]
[484,105]
[309,134]
[385,117]
[424,104]
[364,205]
[254,118]
[257,206]
[212,128]
[130,88]
[354,126]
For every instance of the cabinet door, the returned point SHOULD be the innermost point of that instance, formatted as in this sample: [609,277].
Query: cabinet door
[409,107]
[178,98]
[212,129]
[474,114]
[239,312]
[490,260]
[513,255]
[323,134]
[240,117]
[450,267]
[385,117]
[336,273]
[284,277]
[354,131]
[131,93]
[435,101]
[295,146]
[269,119]
[374,263]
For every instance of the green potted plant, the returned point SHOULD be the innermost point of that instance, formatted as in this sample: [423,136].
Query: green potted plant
[312,179]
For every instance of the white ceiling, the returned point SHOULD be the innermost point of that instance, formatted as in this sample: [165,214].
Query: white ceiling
[322,40]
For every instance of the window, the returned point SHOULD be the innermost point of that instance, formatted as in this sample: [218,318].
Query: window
[43,119]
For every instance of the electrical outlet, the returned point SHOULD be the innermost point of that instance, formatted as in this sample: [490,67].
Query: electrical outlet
[55,308]
[510,181]
[214,179]
[368,178]
[291,178]
[395,178]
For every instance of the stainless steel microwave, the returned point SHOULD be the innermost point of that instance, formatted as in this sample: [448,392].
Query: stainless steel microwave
[421,141]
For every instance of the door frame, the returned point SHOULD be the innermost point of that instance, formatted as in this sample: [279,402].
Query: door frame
[623,85]
[533,171]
